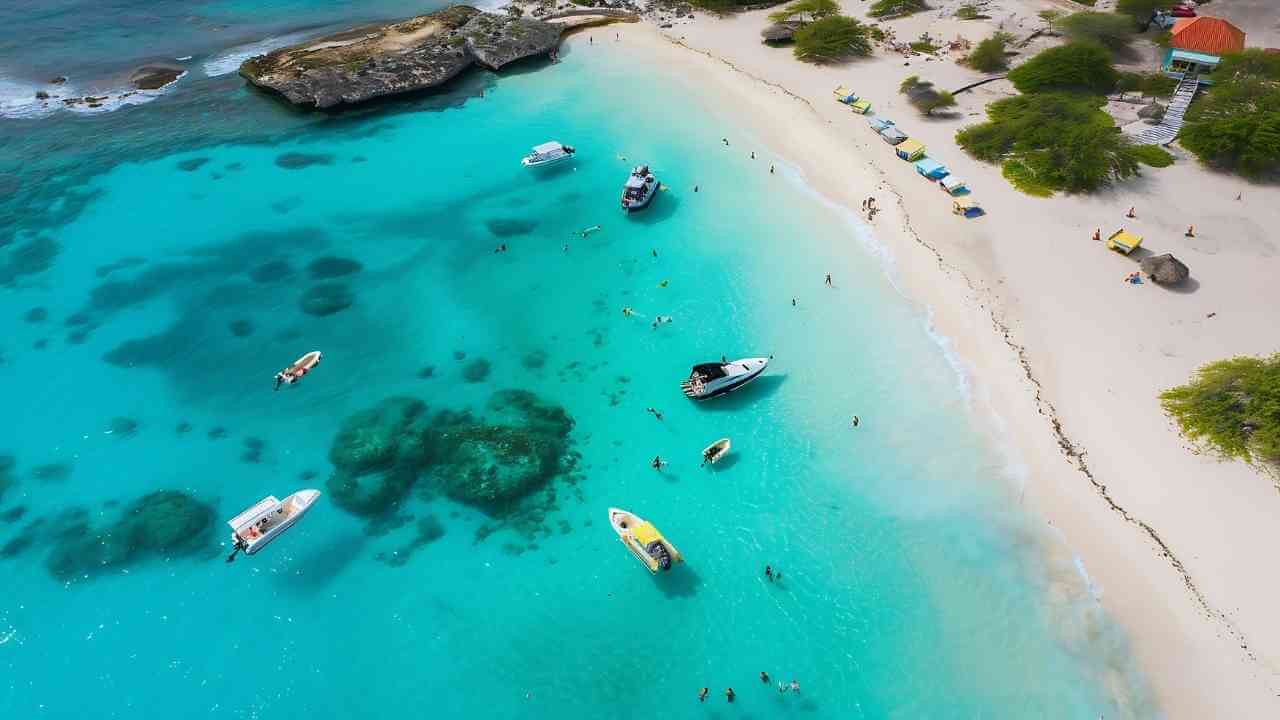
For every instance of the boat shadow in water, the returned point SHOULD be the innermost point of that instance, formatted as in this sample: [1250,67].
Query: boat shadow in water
[664,205]
[680,582]
[753,392]
[314,569]
[729,460]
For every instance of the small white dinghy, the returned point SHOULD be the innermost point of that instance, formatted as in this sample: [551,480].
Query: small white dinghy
[299,368]
[716,450]
[257,526]
[644,540]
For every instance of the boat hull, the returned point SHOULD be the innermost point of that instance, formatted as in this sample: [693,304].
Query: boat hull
[625,524]
[299,503]
[544,163]
[716,450]
[630,206]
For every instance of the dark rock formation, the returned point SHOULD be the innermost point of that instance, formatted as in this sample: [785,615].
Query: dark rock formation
[297,161]
[476,371]
[270,272]
[329,267]
[240,328]
[192,164]
[6,474]
[326,299]
[167,523]
[420,53]
[36,315]
[52,472]
[154,77]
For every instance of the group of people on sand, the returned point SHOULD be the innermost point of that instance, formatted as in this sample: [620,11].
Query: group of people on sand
[869,208]
[730,695]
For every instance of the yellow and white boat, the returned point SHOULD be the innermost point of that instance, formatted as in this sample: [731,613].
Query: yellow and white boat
[644,541]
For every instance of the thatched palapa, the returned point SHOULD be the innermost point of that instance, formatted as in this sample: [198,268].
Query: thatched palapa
[1165,269]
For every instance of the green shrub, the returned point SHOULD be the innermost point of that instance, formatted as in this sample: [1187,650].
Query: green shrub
[923,96]
[896,8]
[1021,177]
[1152,155]
[989,55]
[1051,18]
[1107,29]
[1156,84]
[1231,408]
[806,9]
[969,12]
[1140,10]
[1081,67]
[1236,124]
[832,39]
[1058,141]
[924,46]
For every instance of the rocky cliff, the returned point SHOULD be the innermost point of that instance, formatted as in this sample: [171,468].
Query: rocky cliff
[416,54]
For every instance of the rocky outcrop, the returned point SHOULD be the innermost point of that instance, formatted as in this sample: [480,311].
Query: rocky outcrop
[420,53]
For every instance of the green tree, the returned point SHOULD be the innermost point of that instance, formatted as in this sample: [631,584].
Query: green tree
[1236,125]
[1083,67]
[1140,10]
[923,96]
[814,9]
[896,8]
[832,39]
[1054,141]
[1231,408]
[989,55]
[1107,29]
[1051,19]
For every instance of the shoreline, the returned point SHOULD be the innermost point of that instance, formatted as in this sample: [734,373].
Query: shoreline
[1194,655]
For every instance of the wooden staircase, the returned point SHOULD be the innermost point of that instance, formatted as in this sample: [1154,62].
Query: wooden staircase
[1171,123]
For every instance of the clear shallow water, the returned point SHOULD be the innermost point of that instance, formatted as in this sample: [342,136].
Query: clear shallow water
[912,586]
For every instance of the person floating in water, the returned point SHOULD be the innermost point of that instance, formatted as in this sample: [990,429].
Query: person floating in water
[795,687]
[654,251]
[702,694]
[781,688]
[753,154]
[695,188]
[654,411]
[628,312]
[768,572]
[658,462]
[793,302]
[770,169]
[764,677]
[729,694]
[725,141]
[856,421]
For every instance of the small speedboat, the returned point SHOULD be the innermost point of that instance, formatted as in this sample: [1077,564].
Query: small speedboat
[709,380]
[644,541]
[716,450]
[639,190]
[257,526]
[548,153]
[299,368]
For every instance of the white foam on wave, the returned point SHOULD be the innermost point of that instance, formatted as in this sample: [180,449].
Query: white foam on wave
[229,60]
[18,99]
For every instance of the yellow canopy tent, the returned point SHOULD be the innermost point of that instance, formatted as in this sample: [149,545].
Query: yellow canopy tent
[1123,241]
[862,107]
[910,149]
[844,95]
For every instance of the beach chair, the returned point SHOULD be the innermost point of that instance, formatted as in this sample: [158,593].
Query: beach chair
[877,124]
[910,150]
[952,185]
[964,207]
[844,95]
[862,107]
[931,169]
[1123,241]
[893,135]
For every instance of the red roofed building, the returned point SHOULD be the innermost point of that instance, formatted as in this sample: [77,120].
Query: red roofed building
[1197,44]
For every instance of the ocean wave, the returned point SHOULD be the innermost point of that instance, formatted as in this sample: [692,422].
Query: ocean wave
[229,60]
[18,99]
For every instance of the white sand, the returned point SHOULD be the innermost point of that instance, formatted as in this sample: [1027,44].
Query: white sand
[1059,349]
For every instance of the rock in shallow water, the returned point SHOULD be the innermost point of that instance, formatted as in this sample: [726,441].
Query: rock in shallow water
[420,53]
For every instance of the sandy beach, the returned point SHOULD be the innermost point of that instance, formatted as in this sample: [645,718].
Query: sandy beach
[1064,359]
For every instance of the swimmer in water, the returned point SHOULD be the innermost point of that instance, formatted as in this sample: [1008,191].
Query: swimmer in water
[628,312]
[657,462]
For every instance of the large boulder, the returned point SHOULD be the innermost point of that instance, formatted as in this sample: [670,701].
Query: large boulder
[420,53]
[377,456]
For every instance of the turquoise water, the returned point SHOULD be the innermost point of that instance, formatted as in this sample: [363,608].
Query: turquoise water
[171,277]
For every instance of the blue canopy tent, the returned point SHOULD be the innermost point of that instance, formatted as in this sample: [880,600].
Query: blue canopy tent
[931,169]
[877,124]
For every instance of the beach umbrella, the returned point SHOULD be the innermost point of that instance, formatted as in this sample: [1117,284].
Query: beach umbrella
[1165,269]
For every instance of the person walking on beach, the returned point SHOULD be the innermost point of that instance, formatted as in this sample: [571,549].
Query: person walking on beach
[1097,234]
[729,694]
[702,694]
[764,677]
[1191,231]
[1131,213]
[828,280]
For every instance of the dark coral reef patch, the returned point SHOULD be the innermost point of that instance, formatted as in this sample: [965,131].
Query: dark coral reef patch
[162,524]
[491,462]
[326,299]
[329,267]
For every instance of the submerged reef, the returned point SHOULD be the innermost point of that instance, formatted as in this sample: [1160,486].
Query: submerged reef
[329,267]
[7,480]
[167,523]
[476,371]
[490,462]
[326,299]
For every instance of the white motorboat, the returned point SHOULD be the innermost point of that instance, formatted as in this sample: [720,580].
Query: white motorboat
[716,450]
[548,153]
[298,369]
[644,541]
[257,526]
[710,380]
[639,190]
